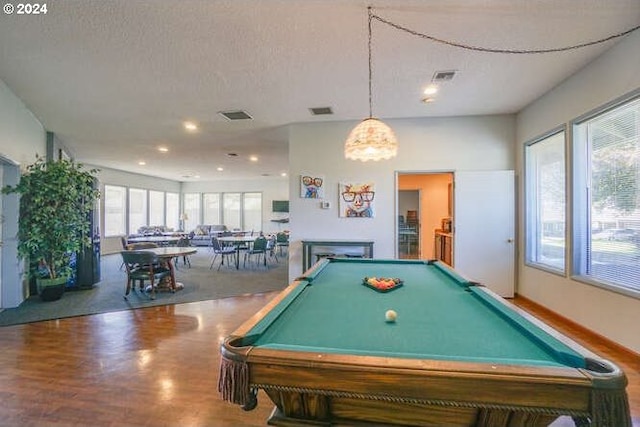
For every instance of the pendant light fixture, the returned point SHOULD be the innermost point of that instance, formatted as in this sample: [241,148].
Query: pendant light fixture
[371,139]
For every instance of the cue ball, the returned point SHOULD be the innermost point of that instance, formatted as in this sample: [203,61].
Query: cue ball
[390,316]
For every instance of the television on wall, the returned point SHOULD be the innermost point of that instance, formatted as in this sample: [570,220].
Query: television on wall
[280,206]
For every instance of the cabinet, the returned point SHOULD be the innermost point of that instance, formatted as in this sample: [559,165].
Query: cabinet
[444,247]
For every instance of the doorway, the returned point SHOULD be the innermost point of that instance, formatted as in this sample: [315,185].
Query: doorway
[479,244]
[11,284]
[409,224]
[424,208]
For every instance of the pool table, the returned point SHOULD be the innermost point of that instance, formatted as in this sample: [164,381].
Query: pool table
[457,354]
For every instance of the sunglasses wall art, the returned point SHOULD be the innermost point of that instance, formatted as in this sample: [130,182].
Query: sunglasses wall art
[357,200]
[311,187]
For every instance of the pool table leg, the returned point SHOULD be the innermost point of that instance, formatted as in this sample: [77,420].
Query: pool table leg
[581,421]
[294,409]
[278,418]
[253,400]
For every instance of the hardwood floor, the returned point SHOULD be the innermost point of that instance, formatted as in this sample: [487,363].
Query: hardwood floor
[158,366]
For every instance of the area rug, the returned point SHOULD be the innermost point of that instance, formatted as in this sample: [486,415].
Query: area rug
[200,283]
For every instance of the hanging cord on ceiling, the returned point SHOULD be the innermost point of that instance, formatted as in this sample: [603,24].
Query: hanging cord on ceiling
[486,49]
[370,64]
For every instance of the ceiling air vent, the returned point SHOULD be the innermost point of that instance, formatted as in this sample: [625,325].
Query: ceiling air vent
[443,76]
[235,115]
[320,111]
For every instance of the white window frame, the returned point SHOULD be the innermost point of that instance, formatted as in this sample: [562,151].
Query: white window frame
[122,229]
[582,221]
[534,205]
[156,208]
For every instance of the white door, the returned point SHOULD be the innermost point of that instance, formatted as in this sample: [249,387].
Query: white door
[484,228]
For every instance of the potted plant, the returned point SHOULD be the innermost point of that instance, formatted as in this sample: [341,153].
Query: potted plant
[56,199]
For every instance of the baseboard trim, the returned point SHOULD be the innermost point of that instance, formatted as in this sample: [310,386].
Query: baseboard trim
[562,319]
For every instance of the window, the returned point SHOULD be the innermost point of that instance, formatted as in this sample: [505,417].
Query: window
[239,211]
[137,209]
[173,210]
[191,213]
[156,208]
[545,201]
[607,196]
[252,211]
[211,206]
[115,210]
[231,210]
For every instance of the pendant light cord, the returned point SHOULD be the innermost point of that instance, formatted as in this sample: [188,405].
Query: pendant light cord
[370,65]
[488,49]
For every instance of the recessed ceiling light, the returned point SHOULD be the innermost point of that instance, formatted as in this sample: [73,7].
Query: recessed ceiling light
[190,126]
[253,158]
[219,169]
[431,90]
[163,149]
[142,163]
[283,174]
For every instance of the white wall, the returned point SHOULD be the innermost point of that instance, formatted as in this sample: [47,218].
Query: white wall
[118,177]
[22,136]
[612,75]
[272,188]
[433,144]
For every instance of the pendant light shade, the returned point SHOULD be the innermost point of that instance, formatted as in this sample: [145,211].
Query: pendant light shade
[371,140]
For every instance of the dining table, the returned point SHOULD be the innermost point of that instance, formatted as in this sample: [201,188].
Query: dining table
[239,242]
[167,254]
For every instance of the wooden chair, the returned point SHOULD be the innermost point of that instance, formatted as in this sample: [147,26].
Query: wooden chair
[141,266]
[223,251]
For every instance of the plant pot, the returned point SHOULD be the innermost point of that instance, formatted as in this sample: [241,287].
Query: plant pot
[51,289]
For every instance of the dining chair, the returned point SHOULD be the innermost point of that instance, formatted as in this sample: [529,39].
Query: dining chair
[223,251]
[258,249]
[142,246]
[282,241]
[272,243]
[184,242]
[125,247]
[143,265]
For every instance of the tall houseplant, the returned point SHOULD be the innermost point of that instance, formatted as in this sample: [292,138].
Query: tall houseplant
[56,199]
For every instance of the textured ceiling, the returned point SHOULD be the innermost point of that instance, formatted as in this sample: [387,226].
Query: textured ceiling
[116,79]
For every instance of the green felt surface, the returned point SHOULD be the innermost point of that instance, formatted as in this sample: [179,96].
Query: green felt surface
[439,317]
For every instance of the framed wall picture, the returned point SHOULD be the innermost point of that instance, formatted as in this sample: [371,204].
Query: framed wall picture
[311,187]
[357,200]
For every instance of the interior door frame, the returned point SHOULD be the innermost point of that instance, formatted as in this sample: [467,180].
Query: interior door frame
[397,175]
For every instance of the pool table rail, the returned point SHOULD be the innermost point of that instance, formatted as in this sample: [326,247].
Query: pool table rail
[329,380]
